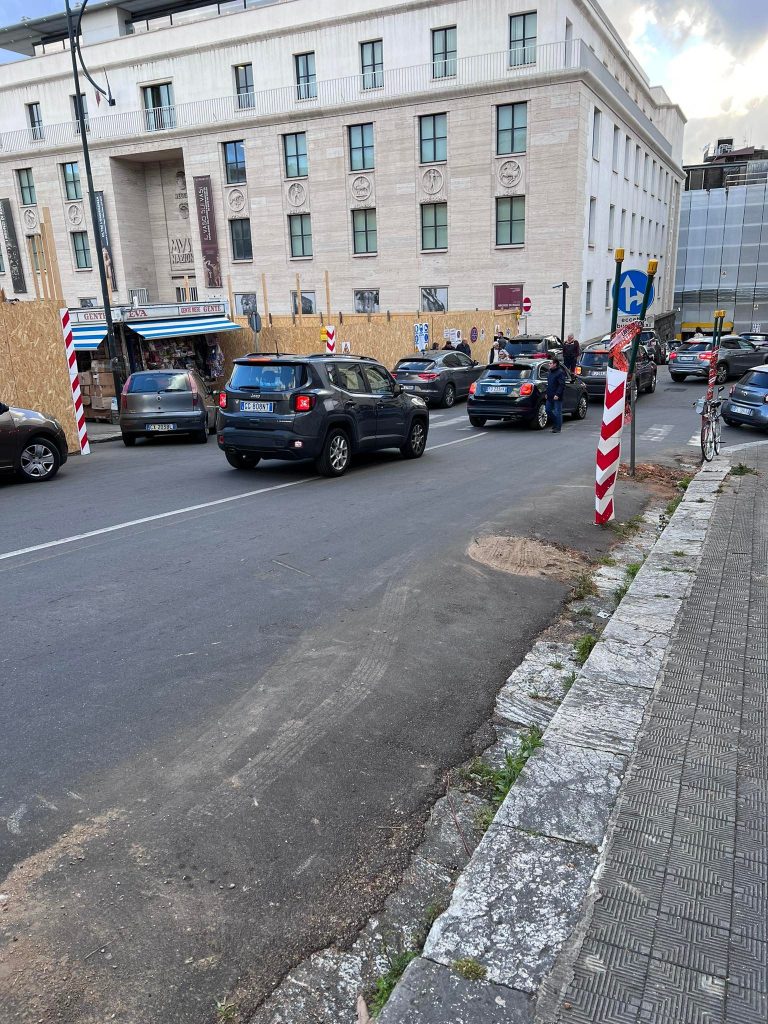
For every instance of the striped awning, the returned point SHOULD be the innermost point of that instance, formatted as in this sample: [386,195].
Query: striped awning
[88,337]
[181,326]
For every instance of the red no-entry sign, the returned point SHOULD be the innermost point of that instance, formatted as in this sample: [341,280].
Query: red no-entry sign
[527,305]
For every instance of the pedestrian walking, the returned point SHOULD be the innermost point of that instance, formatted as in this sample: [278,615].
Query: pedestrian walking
[571,353]
[448,346]
[555,392]
[495,354]
[463,346]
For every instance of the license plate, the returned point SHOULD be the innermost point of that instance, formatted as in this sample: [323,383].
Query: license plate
[408,387]
[741,410]
[161,426]
[257,406]
[496,391]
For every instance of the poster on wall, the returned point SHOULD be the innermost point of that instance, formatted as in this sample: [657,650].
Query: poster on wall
[507,296]
[102,228]
[15,265]
[209,242]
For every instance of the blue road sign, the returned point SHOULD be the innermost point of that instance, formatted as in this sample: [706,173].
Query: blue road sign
[631,291]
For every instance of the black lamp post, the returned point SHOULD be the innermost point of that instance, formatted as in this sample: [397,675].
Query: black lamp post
[564,285]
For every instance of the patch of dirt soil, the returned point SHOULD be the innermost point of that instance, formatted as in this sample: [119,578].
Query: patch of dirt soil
[660,480]
[523,556]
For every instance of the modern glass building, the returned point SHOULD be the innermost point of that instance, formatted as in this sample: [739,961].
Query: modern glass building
[722,260]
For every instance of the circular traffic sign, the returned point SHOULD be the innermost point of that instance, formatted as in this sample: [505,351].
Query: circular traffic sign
[527,305]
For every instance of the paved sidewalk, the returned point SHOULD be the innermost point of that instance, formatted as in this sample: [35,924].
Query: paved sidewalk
[679,932]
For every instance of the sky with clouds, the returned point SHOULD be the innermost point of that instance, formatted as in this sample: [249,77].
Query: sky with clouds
[710,55]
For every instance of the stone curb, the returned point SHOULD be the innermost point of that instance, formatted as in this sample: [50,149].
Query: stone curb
[522,892]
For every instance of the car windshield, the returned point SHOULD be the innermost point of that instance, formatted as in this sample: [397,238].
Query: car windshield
[266,376]
[594,359]
[757,379]
[508,373]
[696,346]
[143,383]
[417,365]
[646,335]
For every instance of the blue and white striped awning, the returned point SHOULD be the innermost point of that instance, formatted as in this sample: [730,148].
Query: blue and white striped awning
[88,337]
[180,327]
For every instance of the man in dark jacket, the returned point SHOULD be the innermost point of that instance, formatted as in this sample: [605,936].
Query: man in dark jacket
[555,392]
[463,346]
[571,352]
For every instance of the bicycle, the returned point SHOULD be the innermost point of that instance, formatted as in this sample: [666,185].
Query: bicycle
[709,410]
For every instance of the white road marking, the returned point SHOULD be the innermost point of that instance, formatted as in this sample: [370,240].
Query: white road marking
[446,423]
[657,433]
[458,440]
[695,440]
[155,518]
[13,821]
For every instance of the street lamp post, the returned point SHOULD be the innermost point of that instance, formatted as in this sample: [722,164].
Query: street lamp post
[564,285]
[115,356]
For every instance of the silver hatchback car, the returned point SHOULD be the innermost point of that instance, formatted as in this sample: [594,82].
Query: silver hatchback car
[166,402]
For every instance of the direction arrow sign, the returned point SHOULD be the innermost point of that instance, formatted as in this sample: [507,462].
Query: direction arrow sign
[328,334]
[631,291]
[527,305]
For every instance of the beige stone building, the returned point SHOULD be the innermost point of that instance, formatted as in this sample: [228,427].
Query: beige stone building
[460,154]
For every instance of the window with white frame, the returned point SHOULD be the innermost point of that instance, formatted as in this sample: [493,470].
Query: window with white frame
[632,233]
[592,218]
[611,226]
[588,301]
[627,156]
[623,229]
[244,85]
[608,285]
[616,148]
[597,118]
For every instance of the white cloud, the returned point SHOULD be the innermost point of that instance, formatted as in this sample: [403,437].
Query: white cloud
[706,79]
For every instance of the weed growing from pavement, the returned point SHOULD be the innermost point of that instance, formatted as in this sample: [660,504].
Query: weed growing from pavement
[683,482]
[385,984]
[607,560]
[585,587]
[742,469]
[469,968]
[627,529]
[633,569]
[671,506]
[679,554]
[569,680]
[225,1010]
[555,664]
[583,647]
[620,593]
[499,781]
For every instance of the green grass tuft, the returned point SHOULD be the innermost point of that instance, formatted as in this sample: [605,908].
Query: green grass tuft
[469,968]
[742,469]
[583,647]
[384,985]
[633,569]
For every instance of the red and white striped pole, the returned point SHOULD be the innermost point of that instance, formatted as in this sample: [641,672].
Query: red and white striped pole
[608,456]
[74,380]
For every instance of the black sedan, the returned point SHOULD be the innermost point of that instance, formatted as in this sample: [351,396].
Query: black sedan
[31,444]
[594,363]
[517,390]
[438,377]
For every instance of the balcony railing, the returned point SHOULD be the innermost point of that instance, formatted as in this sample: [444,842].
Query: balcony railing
[352,91]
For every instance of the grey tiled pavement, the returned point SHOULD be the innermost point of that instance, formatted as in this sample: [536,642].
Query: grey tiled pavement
[679,933]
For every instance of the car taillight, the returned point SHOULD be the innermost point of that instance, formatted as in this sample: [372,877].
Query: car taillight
[123,400]
[705,356]
[473,387]
[428,376]
[195,398]
[303,403]
[673,355]
[526,389]
[222,399]
[577,371]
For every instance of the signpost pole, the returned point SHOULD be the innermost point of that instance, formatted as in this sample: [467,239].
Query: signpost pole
[619,257]
[564,286]
[653,266]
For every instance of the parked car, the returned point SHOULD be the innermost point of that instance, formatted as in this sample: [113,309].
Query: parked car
[517,391]
[759,338]
[325,408]
[747,402]
[655,346]
[735,356]
[166,402]
[31,444]
[594,363]
[532,344]
[438,377]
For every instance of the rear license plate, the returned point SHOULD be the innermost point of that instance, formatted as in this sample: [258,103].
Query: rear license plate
[257,406]
[161,426]
[741,410]
[408,387]
[496,391]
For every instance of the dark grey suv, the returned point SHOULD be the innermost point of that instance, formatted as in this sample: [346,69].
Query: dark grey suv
[438,377]
[325,408]
[32,444]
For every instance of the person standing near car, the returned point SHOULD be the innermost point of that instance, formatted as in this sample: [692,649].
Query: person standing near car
[571,353]
[555,392]
[463,346]
[495,353]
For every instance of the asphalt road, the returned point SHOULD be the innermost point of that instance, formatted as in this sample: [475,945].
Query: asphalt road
[225,720]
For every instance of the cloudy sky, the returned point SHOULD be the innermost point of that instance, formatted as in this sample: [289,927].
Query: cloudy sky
[710,55]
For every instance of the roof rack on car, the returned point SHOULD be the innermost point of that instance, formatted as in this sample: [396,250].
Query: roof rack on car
[261,355]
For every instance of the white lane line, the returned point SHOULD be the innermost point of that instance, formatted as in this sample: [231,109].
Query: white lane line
[155,518]
[459,440]
[445,423]
[656,433]
[695,440]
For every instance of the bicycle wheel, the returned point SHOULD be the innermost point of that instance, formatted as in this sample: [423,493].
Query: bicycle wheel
[707,440]
[716,431]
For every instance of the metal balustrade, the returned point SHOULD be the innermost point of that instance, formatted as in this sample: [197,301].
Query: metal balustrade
[352,91]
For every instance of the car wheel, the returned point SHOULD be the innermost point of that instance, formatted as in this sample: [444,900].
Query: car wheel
[40,460]
[417,441]
[449,396]
[129,440]
[678,378]
[540,418]
[581,408]
[722,373]
[336,453]
[240,461]
[477,421]
[652,386]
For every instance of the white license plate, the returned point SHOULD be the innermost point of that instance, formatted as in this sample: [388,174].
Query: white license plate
[408,387]
[496,391]
[161,426]
[741,410]
[257,406]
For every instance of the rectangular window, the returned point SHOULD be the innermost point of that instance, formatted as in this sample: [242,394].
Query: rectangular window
[433,138]
[608,285]
[308,303]
[627,156]
[72,187]
[522,39]
[139,296]
[35,118]
[361,147]
[588,302]
[234,162]
[183,296]
[244,85]
[645,172]
[510,220]
[444,52]
[592,217]
[240,233]
[597,118]
[637,165]
[2,264]
[372,64]
[306,79]
[641,240]
[511,128]
[367,300]
[38,256]
[300,230]
[295,151]
[27,186]
[434,226]
[616,148]
[159,111]
[632,233]
[653,179]
[434,300]
[82,250]
[364,231]
[622,229]
[80,103]
[611,226]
